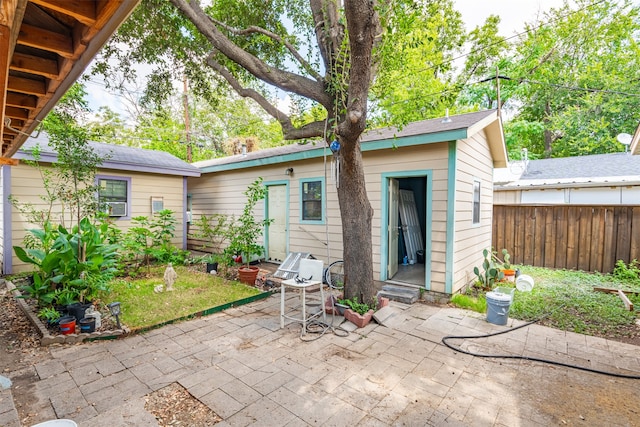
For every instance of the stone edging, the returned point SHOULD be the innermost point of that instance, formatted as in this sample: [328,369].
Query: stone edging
[47,339]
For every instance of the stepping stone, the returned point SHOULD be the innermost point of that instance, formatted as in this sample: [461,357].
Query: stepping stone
[385,313]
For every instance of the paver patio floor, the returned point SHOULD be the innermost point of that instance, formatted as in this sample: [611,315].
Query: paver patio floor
[251,372]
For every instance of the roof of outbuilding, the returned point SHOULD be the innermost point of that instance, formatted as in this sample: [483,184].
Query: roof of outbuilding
[118,157]
[586,170]
[437,130]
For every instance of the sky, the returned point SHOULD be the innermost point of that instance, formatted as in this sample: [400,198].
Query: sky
[513,14]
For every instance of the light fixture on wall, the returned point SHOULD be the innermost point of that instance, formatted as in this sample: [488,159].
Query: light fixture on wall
[288,172]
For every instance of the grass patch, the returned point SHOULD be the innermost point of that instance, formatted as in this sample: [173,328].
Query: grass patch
[193,292]
[470,302]
[565,299]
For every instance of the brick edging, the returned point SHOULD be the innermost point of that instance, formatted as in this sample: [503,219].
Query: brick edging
[46,338]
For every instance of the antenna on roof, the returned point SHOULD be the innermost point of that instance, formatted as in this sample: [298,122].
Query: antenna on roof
[624,139]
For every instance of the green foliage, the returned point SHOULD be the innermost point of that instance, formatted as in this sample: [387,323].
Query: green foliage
[470,302]
[244,233]
[212,230]
[151,240]
[49,314]
[358,307]
[490,273]
[71,266]
[627,273]
[415,79]
[578,86]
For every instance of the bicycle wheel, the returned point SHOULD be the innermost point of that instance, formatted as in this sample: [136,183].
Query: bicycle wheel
[334,275]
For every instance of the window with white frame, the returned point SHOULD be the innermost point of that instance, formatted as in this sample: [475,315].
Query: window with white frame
[476,201]
[312,200]
[113,195]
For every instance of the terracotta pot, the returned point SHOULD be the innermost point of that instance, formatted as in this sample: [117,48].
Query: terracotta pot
[248,274]
[509,275]
[358,319]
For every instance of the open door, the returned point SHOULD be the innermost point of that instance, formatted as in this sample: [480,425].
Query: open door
[393,231]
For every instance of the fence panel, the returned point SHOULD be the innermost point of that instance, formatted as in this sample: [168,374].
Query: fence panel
[590,238]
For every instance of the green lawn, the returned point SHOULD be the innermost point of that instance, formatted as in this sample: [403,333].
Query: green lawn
[565,299]
[193,292]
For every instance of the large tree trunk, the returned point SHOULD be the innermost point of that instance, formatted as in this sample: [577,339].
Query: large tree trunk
[356,213]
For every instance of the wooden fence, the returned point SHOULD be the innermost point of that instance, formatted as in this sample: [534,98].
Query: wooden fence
[589,238]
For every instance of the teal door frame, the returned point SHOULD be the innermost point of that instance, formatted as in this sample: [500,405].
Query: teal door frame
[384,220]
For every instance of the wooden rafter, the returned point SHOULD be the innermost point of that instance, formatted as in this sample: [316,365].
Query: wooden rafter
[82,10]
[46,40]
[35,65]
[44,47]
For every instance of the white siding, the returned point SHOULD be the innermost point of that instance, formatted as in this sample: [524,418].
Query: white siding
[27,187]
[611,195]
[473,162]
[221,192]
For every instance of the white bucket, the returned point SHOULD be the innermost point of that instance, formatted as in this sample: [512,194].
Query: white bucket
[57,423]
[524,283]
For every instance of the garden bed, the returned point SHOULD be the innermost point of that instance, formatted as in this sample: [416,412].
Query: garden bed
[196,294]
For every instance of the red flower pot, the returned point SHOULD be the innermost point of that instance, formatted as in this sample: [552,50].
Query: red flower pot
[67,325]
[248,274]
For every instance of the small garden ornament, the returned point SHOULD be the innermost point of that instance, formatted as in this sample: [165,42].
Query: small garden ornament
[170,277]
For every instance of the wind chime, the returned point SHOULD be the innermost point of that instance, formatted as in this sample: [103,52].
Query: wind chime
[335,162]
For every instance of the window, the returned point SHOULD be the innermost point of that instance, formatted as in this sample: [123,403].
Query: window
[113,195]
[476,202]
[312,200]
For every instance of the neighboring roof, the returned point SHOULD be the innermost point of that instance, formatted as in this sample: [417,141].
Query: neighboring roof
[45,45]
[118,157]
[593,170]
[418,133]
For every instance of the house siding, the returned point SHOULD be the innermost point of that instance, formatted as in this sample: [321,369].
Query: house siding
[27,186]
[221,192]
[474,162]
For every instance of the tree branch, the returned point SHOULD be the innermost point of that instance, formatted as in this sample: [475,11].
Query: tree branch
[290,132]
[254,29]
[329,31]
[282,79]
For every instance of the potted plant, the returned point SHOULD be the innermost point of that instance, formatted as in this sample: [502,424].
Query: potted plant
[212,231]
[244,233]
[360,314]
[507,270]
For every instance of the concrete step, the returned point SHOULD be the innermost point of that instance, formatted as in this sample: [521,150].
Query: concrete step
[400,294]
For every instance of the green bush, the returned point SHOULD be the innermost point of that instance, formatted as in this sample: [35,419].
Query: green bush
[627,273]
[71,266]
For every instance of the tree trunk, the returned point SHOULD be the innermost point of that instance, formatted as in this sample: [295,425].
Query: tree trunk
[356,213]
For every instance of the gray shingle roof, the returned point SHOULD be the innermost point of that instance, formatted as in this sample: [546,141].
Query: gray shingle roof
[119,157]
[432,126]
[593,169]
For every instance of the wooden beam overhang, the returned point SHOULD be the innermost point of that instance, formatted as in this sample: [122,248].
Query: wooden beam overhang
[45,45]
